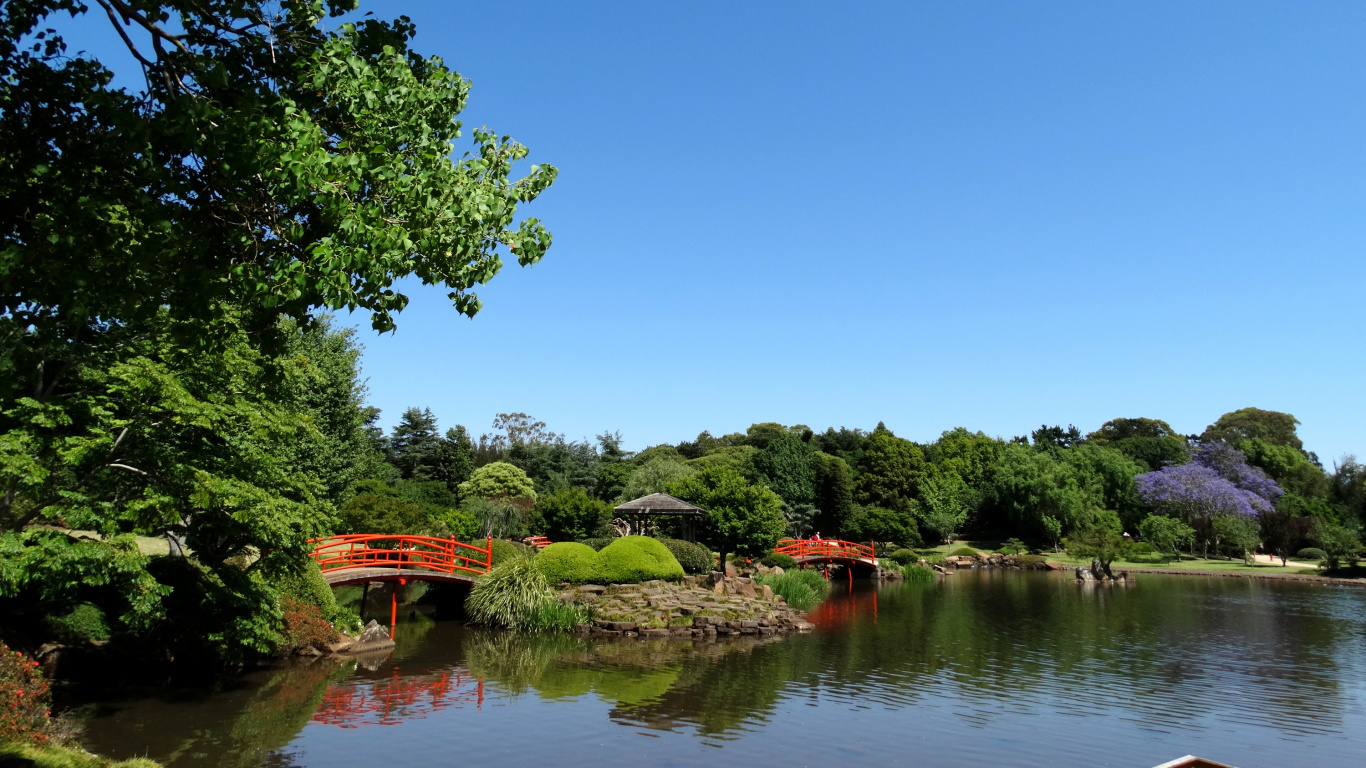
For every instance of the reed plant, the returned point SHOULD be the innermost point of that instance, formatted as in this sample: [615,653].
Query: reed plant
[802,590]
[514,595]
[917,573]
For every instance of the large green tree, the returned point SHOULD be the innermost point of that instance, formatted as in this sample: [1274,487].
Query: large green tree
[891,471]
[1274,427]
[785,464]
[741,517]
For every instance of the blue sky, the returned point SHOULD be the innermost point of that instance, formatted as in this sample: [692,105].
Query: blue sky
[993,215]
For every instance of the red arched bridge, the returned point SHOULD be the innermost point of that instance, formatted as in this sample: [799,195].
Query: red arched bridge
[357,558]
[850,554]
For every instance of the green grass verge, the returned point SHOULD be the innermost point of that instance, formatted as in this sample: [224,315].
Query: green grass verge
[65,757]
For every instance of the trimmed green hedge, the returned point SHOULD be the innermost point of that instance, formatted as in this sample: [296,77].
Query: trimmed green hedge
[632,559]
[596,544]
[1311,553]
[904,557]
[779,560]
[567,561]
[693,557]
[964,552]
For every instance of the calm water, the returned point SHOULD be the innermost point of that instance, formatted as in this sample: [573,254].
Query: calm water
[996,669]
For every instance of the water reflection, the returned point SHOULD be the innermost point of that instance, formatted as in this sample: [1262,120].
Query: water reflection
[995,663]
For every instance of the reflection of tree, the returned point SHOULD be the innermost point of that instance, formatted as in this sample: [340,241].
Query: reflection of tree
[279,711]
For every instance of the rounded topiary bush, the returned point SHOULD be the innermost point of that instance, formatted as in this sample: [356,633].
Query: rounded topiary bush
[1142,548]
[567,561]
[964,552]
[1311,553]
[904,556]
[779,560]
[693,557]
[632,559]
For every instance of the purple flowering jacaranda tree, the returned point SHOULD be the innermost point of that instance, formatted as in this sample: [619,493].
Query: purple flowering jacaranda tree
[1218,482]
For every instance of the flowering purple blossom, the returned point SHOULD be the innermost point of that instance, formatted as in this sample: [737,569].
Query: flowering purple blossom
[1232,465]
[1197,492]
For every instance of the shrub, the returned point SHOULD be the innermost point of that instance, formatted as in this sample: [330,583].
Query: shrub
[1311,553]
[633,559]
[800,589]
[514,595]
[567,561]
[558,617]
[596,544]
[307,585]
[504,550]
[1012,547]
[916,572]
[964,552]
[779,560]
[904,556]
[84,623]
[1030,559]
[693,557]
[305,626]
[934,558]
[24,699]
[1142,548]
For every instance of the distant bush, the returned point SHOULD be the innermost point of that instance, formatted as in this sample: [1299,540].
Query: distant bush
[1142,548]
[904,556]
[800,589]
[779,560]
[84,623]
[694,558]
[1311,553]
[567,561]
[596,544]
[964,552]
[24,699]
[514,595]
[504,550]
[915,572]
[1029,559]
[632,559]
[1012,547]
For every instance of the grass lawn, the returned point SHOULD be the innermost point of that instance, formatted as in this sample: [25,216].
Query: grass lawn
[1185,564]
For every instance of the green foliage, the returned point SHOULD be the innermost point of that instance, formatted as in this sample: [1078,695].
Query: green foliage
[740,517]
[514,595]
[801,520]
[1043,498]
[654,476]
[1311,553]
[572,514]
[963,552]
[54,756]
[694,558]
[567,561]
[506,551]
[461,525]
[1142,549]
[890,473]
[943,507]
[498,517]
[916,573]
[1150,443]
[84,623]
[802,590]
[834,491]
[1237,533]
[633,559]
[883,525]
[1100,543]
[1166,534]
[1272,427]
[498,480]
[904,556]
[779,560]
[558,617]
[1113,474]
[1338,542]
[372,513]
[1012,546]
[597,544]
[737,458]
[784,463]
[1288,466]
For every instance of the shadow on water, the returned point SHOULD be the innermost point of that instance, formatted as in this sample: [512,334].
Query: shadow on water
[1240,667]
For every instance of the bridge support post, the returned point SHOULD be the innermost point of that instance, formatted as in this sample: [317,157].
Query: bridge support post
[393,607]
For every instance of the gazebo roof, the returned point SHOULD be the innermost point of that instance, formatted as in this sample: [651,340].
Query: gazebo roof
[660,504]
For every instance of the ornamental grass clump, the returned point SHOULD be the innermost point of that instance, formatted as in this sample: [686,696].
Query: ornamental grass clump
[802,590]
[915,572]
[514,595]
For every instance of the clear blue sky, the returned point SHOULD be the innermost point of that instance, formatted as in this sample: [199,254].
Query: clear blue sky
[992,215]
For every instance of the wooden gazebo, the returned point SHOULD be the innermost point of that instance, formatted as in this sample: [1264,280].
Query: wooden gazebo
[646,508]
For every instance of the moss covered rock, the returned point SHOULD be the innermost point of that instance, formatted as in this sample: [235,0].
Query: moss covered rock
[568,561]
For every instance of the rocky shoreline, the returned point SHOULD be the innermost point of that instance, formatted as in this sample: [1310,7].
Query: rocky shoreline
[698,606]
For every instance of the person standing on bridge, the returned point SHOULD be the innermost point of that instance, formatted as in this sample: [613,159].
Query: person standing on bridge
[817,537]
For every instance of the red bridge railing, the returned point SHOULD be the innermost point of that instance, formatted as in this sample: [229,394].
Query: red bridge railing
[829,550]
[402,553]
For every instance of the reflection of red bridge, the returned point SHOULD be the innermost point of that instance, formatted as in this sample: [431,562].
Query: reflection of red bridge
[362,557]
[390,702]
[850,554]
[839,609]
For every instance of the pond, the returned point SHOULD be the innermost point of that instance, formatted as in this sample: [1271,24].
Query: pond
[981,668]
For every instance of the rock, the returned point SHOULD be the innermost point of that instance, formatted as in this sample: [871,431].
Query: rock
[777,570]
[307,650]
[654,632]
[745,587]
[768,593]
[730,570]
[592,589]
[1053,565]
[343,644]
[374,638]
